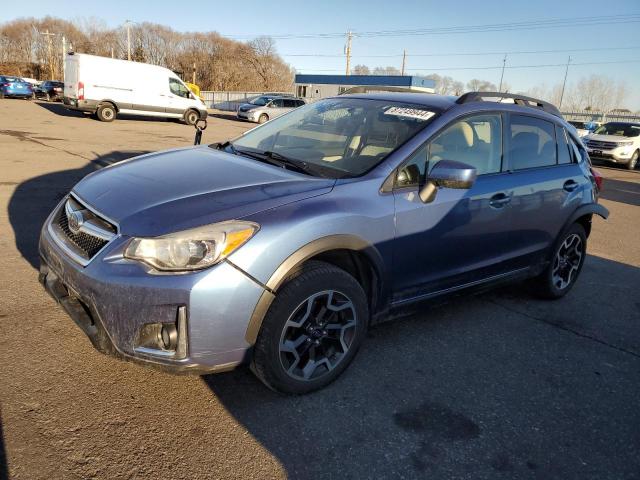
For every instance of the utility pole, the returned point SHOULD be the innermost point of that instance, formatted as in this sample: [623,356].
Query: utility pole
[49,56]
[504,62]
[404,60]
[64,53]
[347,51]
[128,24]
[564,82]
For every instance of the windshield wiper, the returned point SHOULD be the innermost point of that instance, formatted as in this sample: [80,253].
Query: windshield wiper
[287,162]
[224,146]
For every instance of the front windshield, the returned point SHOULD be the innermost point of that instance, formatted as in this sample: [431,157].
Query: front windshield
[261,101]
[619,129]
[344,136]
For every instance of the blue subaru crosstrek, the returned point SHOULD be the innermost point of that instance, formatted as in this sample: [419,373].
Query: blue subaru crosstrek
[281,247]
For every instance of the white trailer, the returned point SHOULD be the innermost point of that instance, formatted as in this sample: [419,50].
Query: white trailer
[108,87]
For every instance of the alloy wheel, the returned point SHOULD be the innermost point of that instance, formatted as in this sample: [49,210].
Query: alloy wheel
[567,261]
[317,335]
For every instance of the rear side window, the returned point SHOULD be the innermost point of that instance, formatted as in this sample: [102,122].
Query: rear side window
[290,103]
[564,154]
[532,143]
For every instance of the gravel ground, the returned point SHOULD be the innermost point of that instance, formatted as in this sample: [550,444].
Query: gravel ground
[492,386]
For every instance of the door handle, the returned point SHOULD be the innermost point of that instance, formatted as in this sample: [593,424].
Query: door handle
[570,185]
[499,200]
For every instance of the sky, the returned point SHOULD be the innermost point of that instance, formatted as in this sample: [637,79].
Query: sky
[426,53]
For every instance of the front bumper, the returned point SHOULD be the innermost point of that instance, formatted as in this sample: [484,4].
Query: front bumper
[250,116]
[112,299]
[616,155]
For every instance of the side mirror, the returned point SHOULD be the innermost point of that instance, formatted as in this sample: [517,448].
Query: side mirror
[448,174]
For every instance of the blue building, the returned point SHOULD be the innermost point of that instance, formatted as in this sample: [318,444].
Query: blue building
[320,86]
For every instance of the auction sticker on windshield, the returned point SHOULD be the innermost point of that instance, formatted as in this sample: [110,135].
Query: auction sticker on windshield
[410,113]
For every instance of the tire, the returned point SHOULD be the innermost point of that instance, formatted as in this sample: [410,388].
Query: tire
[263,118]
[47,97]
[1,95]
[301,347]
[567,259]
[633,161]
[106,112]
[191,117]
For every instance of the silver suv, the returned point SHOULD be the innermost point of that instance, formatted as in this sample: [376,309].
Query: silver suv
[266,107]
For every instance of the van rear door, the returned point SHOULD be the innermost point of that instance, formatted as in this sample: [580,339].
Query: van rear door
[71,68]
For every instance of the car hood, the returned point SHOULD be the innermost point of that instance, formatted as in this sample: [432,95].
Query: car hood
[169,191]
[610,138]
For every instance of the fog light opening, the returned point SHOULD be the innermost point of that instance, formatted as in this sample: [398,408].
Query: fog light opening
[168,338]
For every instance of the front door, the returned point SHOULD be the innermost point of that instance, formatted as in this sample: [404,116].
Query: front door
[462,236]
[179,97]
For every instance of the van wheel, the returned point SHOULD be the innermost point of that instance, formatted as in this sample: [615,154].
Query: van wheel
[633,161]
[263,118]
[312,330]
[191,117]
[565,264]
[106,112]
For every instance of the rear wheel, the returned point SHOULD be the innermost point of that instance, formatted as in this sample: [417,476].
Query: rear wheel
[191,117]
[633,162]
[566,263]
[312,330]
[47,97]
[106,112]
[263,118]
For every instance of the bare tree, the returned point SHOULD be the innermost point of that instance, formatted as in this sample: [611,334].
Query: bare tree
[360,70]
[476,85]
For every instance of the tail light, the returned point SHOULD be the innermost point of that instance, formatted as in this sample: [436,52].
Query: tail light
[598,178]
[6,84]
[80,91]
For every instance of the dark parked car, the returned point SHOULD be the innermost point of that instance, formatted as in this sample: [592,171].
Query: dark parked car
[282,246]
[50,90]
[15,87]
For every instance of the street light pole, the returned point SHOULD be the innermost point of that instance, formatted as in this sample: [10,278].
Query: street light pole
[404,61]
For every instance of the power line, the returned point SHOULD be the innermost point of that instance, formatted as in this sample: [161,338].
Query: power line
[497,67]
[464,54]
[463,29]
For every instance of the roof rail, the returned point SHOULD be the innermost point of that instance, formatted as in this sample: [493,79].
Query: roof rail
[384,88]
[517,99]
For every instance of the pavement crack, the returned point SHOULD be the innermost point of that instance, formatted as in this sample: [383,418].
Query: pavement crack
[565,328]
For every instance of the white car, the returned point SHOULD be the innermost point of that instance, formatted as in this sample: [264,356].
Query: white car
[617,142]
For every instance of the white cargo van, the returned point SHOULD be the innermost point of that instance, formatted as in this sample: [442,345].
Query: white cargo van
[107,87]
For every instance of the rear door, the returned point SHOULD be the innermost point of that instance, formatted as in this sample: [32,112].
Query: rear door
[71,76]
[547,184]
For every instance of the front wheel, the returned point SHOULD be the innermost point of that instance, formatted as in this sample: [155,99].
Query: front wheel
[633,161]
[312,330]
[263,118]
[566,264]
[191,117]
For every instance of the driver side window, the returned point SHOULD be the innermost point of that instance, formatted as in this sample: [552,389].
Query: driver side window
[476,141]
[177,88]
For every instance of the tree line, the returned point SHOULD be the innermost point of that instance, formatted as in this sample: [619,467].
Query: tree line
[219,63]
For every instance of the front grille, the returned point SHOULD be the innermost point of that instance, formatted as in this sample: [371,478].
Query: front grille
[85,242]
[600,145]
[88,244]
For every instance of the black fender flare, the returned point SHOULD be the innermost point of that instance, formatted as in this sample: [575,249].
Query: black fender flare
[311,249]
[589,209]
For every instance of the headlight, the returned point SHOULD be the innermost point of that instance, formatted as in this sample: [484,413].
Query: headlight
[625,144]
[193,249]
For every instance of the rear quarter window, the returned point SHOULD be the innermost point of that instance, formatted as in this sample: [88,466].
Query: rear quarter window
[532,142]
